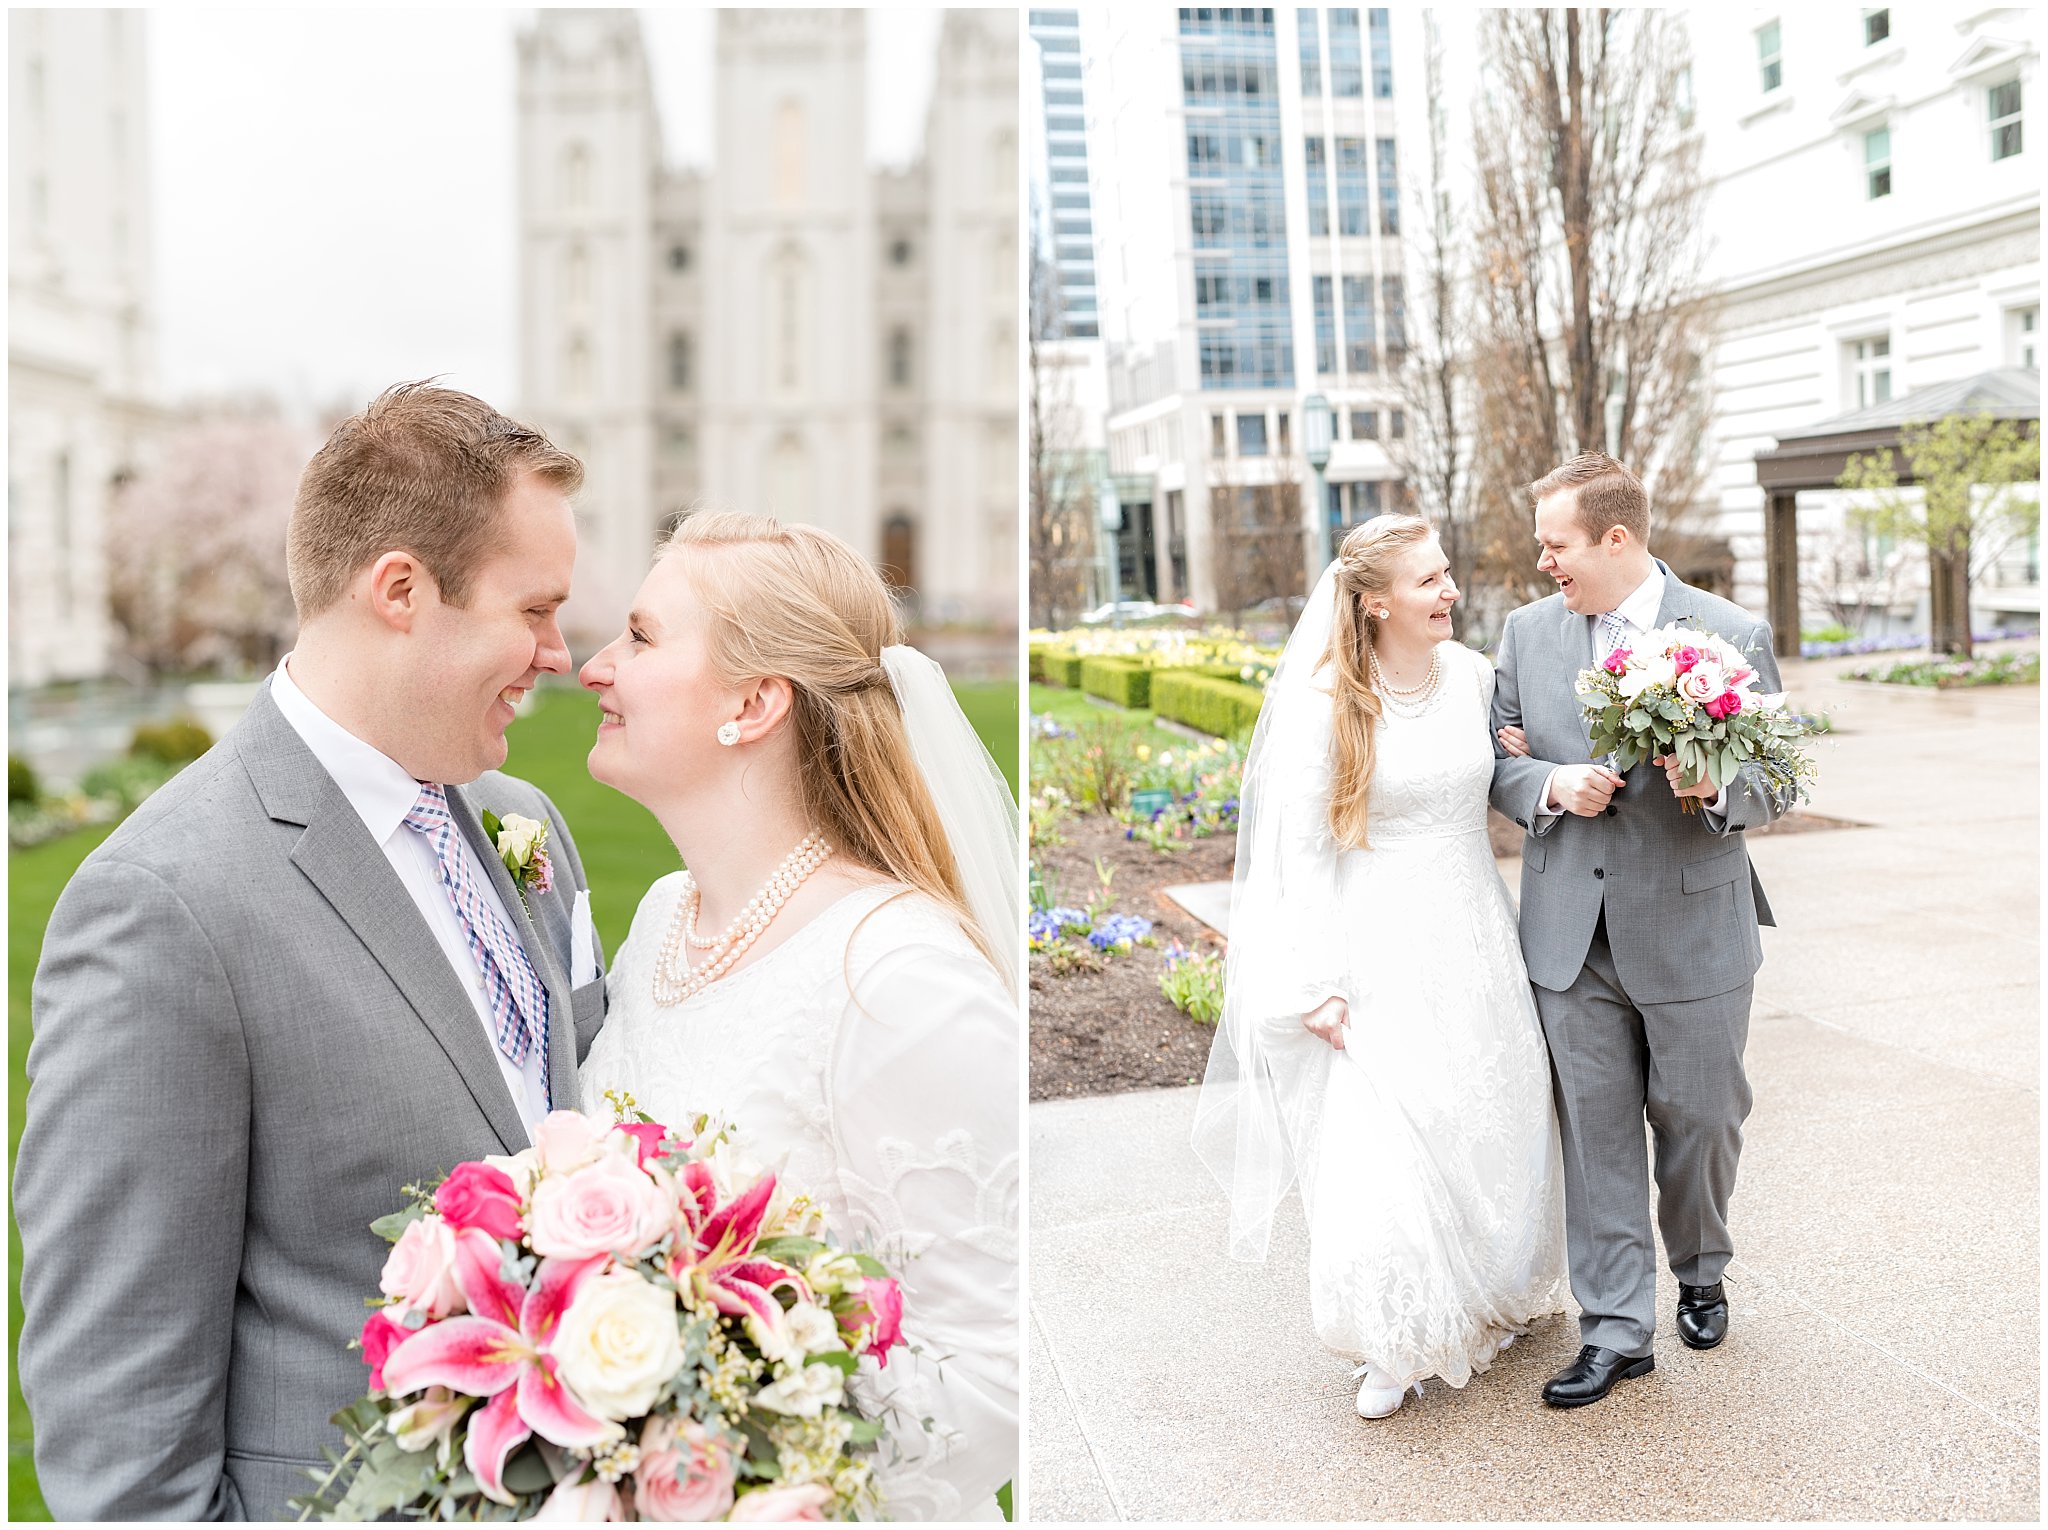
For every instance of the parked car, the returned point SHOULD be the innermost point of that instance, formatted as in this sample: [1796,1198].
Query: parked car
[1121,611]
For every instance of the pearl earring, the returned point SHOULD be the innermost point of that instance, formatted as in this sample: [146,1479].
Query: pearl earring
[728,733]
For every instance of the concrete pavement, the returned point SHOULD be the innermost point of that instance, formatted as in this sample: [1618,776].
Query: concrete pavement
[1883,1357]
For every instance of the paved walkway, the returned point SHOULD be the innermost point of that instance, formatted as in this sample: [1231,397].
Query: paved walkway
[1883,1358]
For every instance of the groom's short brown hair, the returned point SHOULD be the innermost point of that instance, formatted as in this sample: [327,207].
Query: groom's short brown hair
[423,470]
[1608,495]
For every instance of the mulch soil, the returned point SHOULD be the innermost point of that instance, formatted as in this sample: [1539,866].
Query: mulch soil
[1112,1031]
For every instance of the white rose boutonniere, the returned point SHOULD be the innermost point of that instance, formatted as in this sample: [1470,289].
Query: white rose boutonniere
[523,847]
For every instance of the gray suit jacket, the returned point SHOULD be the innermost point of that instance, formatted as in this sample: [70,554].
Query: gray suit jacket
[246,1041]
[1682,901]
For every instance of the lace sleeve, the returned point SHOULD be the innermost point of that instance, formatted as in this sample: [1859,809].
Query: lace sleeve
[925,1087]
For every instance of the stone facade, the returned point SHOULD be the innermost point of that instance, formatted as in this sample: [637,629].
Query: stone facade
[793,331]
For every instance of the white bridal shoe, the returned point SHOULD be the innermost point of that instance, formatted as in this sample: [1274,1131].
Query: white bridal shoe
[1377,1395]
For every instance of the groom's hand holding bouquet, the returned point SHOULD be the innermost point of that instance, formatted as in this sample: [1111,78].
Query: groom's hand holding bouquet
[614,1324]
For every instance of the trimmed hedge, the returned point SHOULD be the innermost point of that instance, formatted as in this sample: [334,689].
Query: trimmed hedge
[1063,668]
[1225,708]
[1117,680]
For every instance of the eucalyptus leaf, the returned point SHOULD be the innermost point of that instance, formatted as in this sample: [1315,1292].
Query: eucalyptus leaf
[527,1472]
[391,1228]
[838,1359]
[789,1249]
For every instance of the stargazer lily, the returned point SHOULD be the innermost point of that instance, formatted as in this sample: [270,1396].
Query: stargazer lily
[501,1351]
[719,1257]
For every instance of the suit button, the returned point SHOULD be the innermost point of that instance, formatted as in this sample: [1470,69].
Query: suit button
[1523,822]
[1600,872]
[1612,810]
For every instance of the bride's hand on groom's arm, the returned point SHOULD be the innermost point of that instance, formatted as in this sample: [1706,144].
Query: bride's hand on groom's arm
[1326,1021]
[1513,740]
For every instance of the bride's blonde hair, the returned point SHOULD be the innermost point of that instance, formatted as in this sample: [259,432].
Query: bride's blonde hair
[797,602]
[1365,567]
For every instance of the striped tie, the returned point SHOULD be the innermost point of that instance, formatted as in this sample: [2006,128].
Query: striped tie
[1614,631]
[513,995]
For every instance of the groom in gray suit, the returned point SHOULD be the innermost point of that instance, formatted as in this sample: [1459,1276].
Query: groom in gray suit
[1639,926]
[299,978]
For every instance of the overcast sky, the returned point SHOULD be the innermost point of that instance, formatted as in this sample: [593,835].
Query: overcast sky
[333,190]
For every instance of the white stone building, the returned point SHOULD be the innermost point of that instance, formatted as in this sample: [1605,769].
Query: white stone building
[80,325]
[1247,196]
[793,331]
[1876,215]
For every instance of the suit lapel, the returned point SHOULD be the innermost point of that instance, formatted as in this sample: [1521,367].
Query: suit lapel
[1678,603]
[337,855]
[1575,640]
[561,1059]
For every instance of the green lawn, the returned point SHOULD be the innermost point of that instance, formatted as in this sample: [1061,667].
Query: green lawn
[623,851]
[1075,709]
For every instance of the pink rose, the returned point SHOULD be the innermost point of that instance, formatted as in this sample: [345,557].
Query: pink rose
[477,1195]
[783,1503]
[607,1207]
[1684,658]
[420,1272]
[595,1501]
[1698,685]
[1616,661]
[876,1317]
[685,1474]
[647,1136]
[380,1337]
[1727,704]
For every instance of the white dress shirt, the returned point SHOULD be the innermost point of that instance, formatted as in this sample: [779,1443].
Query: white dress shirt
[382,792]
[1638,613]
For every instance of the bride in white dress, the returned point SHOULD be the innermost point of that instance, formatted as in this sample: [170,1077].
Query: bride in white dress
[1379,1043]
[832,975]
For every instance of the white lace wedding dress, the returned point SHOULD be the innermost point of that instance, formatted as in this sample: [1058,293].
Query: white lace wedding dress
[872,1058]
[1426,1151]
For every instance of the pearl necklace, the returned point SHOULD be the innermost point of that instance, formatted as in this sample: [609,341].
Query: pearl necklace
[675,978]
[1409,703]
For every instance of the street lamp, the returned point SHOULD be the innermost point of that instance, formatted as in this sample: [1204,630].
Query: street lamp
[1112,555]
[1317,427]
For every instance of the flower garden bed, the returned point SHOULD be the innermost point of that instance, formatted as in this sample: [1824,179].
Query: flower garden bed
[1111,1030]
[1955,674]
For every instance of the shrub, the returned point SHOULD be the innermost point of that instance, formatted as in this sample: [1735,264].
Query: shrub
[22,785]
[1225,708]
[172,743]
[1117,680]
[123,784]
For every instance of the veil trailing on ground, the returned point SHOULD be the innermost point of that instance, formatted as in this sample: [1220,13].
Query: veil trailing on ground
[976,810]
[1257,1120]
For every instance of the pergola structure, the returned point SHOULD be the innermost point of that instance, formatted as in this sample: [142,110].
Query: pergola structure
[1817,456]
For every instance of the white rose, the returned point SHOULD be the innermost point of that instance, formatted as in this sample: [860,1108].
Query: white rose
[618,1344]
[519,837]
[1633,682]
[805,1392]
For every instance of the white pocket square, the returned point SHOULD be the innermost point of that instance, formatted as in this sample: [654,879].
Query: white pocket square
[582,943]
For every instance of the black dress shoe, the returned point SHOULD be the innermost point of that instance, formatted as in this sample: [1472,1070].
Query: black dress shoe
[1592,1376]
[1702,1315]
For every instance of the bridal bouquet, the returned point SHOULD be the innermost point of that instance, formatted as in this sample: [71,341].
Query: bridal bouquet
[613,1324]
[1683,693]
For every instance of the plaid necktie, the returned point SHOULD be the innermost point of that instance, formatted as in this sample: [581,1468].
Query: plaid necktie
[1614,631]
[513,995]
